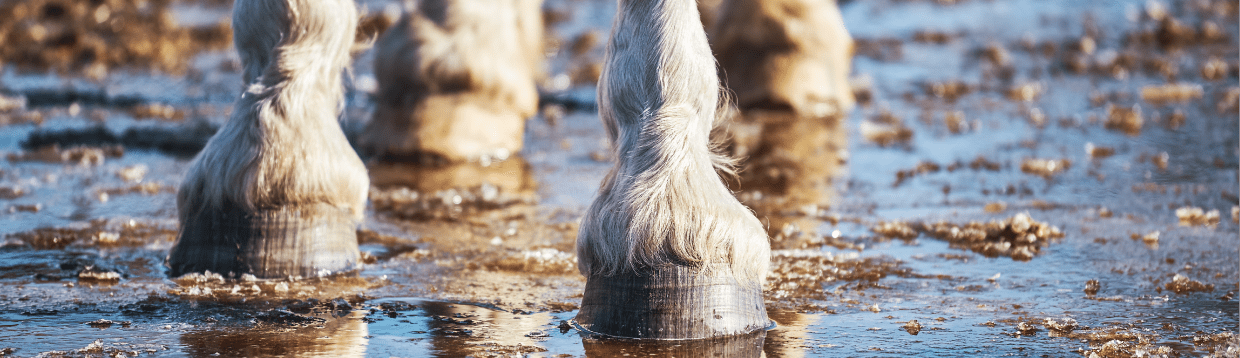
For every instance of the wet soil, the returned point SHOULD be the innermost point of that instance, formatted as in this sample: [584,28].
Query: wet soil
[1020,178]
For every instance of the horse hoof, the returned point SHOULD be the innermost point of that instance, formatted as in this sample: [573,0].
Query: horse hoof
[671,303]
[313,241]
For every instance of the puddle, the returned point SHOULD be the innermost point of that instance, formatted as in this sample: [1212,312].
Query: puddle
[899,229]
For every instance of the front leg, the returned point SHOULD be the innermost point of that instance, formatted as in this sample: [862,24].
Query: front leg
[278,191]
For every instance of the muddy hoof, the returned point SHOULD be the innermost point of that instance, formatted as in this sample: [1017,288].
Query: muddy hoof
[312,242]
[673,302]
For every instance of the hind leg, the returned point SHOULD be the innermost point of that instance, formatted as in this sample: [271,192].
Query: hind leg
[792,55]
[456,81]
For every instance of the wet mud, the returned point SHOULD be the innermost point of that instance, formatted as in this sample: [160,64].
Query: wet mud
[1018,178]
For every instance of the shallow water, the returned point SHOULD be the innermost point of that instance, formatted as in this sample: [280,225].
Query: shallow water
[489,269]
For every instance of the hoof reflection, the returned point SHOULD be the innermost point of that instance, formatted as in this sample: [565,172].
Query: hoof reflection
[511,175]
[791,338]
[749,345]
[317,336]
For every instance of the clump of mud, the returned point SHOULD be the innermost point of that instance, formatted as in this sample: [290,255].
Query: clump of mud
[133,176]
[1026,329]
[1026,92]
[1019,237]
[105,323]
[801,274]
[1164,30]
[83,269]
[1107,342]
[1045,168]
[1060,328]
[92,37]
[13,110]
[1225,344]
[1092,287]
[99,274]
[1172,92]
[99,348]
[896,230]
[543,261]
[1150,239]
[212,286]
[97,233]
[927,167]
[147,188]
[886,130]
[1098,152]
[450,204]
[80,155]
[948,91]
[159,111]
[922,168]
[1122,349]
[1183,285]
[1126,120]
[912,327]
[1195,216]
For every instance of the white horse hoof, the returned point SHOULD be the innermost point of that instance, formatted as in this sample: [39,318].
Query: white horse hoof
[672,303]
[306,242]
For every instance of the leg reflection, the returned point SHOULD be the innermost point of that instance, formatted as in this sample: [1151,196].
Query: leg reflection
[791,337]
[462,330]
[293,336]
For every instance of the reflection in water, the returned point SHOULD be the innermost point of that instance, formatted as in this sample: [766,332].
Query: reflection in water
[749,345]
[460,330]
[344,336]
[790,338]
[789,163]
[511,175]
[391,327]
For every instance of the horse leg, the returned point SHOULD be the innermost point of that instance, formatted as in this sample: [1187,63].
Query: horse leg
[667,251]
[278,191]
[456,81]
[792,55]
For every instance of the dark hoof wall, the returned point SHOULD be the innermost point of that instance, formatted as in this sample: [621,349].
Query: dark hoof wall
[307,242]
[671,303]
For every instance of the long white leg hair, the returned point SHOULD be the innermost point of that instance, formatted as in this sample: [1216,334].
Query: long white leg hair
[283,145]
[278,191]
[663,203]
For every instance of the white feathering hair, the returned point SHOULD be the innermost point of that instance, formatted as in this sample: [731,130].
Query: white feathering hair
[283,146]
[664,202]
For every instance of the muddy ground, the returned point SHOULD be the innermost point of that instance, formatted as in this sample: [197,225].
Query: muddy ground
[1020,178]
